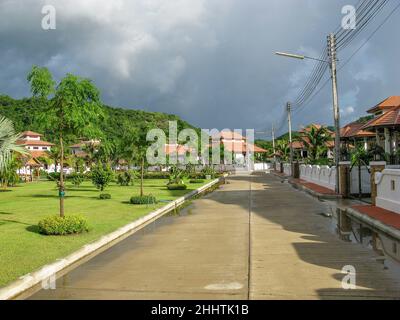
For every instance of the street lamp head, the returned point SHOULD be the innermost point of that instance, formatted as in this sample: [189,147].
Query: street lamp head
[290,55]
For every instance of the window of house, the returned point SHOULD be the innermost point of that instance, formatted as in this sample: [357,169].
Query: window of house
[393,185]
[35,148]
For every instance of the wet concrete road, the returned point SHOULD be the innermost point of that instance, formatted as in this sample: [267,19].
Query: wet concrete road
[255,238]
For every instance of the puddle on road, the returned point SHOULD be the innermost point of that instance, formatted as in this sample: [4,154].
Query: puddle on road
[348,229]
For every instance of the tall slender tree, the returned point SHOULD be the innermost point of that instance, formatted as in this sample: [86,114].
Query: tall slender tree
[74,109]
[135,148]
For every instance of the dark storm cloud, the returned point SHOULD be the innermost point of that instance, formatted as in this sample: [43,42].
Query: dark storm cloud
[211,62]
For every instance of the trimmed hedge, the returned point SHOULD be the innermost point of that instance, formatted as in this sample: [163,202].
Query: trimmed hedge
[59,226]
[196,181]
[196,175]
[149,199]
[105,196]
[175,186]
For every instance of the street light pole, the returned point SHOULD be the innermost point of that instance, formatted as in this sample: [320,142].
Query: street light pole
[289,112]
[336,113]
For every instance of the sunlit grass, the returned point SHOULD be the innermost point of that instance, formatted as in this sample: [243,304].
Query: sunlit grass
[22,249]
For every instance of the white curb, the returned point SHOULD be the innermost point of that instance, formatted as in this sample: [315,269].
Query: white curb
[28,281]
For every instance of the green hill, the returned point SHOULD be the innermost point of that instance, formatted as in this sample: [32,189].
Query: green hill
[25,115]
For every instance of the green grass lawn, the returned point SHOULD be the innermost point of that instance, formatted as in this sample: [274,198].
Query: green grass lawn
[22,249]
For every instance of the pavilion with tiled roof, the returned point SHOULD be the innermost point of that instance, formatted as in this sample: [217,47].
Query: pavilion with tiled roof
[352,133]
[386,124]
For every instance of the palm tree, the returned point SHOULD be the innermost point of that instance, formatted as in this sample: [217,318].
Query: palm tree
[8,143]
[315,140]
[9,176]
[282,148]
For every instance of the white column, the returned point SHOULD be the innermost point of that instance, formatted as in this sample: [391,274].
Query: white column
[365,144]
[387,140]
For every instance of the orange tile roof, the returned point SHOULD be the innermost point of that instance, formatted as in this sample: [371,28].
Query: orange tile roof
[228,135]
[259,150]
[31,134]
[39,154]
[176,148]
[240,147]
[353,130]
[298,145]
[301,145]
[388,119]
[34,143]
[391,102]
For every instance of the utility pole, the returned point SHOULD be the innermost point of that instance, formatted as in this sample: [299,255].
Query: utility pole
[289,112]
[336,113]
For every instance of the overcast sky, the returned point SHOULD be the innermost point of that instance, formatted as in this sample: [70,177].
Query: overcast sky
[209,61]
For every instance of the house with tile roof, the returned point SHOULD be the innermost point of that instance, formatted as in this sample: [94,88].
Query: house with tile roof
[353,134]
[37,148]
[386,124]
[300,145]
[34,143]
[238,145]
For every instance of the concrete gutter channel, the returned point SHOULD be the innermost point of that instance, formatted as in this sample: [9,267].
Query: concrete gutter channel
[318,195]
[62,266]
[372,223]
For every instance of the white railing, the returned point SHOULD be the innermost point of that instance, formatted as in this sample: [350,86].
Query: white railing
[287,169]
[388,189]
[324,176]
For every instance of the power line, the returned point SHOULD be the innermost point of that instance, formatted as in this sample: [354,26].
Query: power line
[351,57]
[370,36]
[363,22]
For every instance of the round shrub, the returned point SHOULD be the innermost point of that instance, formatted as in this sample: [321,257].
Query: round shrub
[59,226]
[196,181]
[143,199]
[179,186]
[105,196]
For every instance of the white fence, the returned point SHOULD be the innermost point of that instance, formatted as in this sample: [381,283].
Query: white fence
[324,176]
[262,166]
[365,181]
[388,189]
[287,169]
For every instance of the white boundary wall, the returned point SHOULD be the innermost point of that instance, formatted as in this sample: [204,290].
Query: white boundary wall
[287,169]
[388,189]
[324,176]
[262,166]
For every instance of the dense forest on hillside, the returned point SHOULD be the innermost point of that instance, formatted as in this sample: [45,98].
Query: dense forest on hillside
[25,114]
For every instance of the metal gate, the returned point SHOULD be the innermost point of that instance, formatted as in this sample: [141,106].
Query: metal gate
[357,188]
